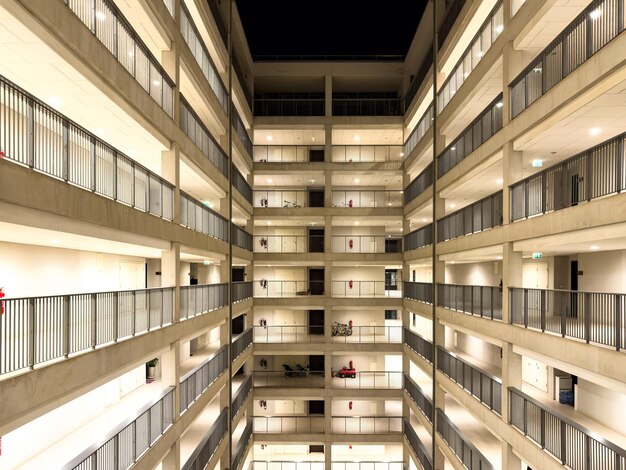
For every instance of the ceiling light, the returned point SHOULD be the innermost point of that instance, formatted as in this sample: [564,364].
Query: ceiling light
[499,104]
[480,53]
[466,74]
[594,247]
[402,154]
[389,204]
[269,138]
[312,139]
[498,257]
[499,181]
[452,262]
[312,181]
[270,180]
[54,101]
[595,14]
[356,223]
[499,28]
[453,148]
[269,222]
[595,131]
[55,242]
[424,220]
[156,82]
[357,180]
[357,138]
[452,206]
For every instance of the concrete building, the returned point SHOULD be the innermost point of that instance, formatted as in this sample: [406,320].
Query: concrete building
[393,262]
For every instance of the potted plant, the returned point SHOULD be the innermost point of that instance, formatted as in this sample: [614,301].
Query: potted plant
[151,366]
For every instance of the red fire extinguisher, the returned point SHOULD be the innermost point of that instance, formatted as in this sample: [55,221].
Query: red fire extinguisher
[351,368]
[350,244]
[350,404]
[350,203]
[350,284]
[1,297]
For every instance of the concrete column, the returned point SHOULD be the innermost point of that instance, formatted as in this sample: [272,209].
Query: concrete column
[328,189]
[512,171]
[223,206]
[328,234]
[328,143]
[328,370]
[328,456]
[172,460]
[328,419]
[511,276]
[511,377]
[328,95]
[170,170]
[170,275]
[328,321]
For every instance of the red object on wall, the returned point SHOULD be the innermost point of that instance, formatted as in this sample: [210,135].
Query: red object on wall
[350,405]
[2,155]
[351,368]
[350,446]
[350,203]
[350,244]
[350,323]
[350,284]
[1,297]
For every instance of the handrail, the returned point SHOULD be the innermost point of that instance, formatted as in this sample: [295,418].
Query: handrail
[287,153]
[239,451]
[419,291]
[420,130]
[242,132]
[203,452]
[419,238]
[355,198]
[365,244]
[366,424]
[288,424]
[282,104]
[482,301]
[416,444]
[420,183]
[241,343]
[453,436]
[366,106]
[423,402]
[241,238]
[477,217]
[199,217]
[366,289]
[241,395]
[420,345]
[199,299]
[419,77]
[366,153]
[241,185]
[450,17]
[367,379]
[195,382]
[241,291]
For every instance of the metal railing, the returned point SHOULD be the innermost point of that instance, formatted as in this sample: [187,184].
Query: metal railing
[419,291]
[418,78]
[366,289]
[595,317]
[482,385]
[328,57]
[423,402]
[371,334]
[197,381]
[290,104]
[289,424]
[466,452]
[366,424]
[200,299]
[193,127]
[451,14]
[264,288]
[282,243]
[421,183]
[197,216]
[108,24]
[209,444]
[420,130]
[35,135]
[241,185]
[288,465]
[242,80]
[219,20]
[169,4]
[353,104]
[241,291]
[128,441]
[481,129]
[371,379]
[367,198]
[199,51]
[419,238]
[287,198]
[421,346]
[35,330]
[286,153]
[365,244]
[363,465]
[570,443]
[241,396]
[416,444]
[366,153]
[482,301]
[241,238]
[239,452]
[477,217]
[241,131]
[594,173]
[481,43]
[591,30]
[241,343]
[288,334]
[288,379]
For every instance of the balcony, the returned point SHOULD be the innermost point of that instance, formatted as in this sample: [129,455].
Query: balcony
[285,243]
[593,317]
[421,183]
[366,424]
[366,104]
[367,334]
[241,131]
[478,217]
[278,289]
[289,153]
[482,301]
[367,198]
[366,244]
[241,238]
[421,400]
[289,199]
[422,454]
[209,443]
[421,346]
[288,334]
[366,289]
[195,382]
[241,343]
[471,457]
[241,185]
[419,238]
[380,380]
[200,299]
[419,291]
[289,424]
[366,153]
[420,130]
[288,379]
[289,104]
[197,216]
[241,291]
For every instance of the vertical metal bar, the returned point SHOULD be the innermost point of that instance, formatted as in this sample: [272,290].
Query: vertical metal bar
[30,140]
[66,325]
[116,314]
[65,165]
[618,322]
[94,307]
[542,309]
[586,314]
[31,332]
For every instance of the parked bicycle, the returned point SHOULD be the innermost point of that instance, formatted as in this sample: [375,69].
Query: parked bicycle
[342,329]
[291,205]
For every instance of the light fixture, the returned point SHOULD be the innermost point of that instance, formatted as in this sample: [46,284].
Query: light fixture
[499,104]
[55,242]
[270,180]
[269,138]
[452,206]
[356,223]
[499,28]
[424,220]
[402,154]
[480,53]
[466,74]
[594,247]
[389,204]
[269,222]
[453,148]
[54,101]
[537,163]
[595,131]
[499,181]
[206,262]
[312,139]
[498,257]
[357,180]
[595,14]
[156,82]
[357,138]
[452,262]
[211,205]
[312,181]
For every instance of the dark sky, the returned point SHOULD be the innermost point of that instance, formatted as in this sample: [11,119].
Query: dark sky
[330,27]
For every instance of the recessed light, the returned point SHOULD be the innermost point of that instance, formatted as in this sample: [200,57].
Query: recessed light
[594,247]
[357,180]
[156,82]
[595,131]
[312,181]
[389,204]
[499,181]
[270,180]
[55,242]
[466,74]
[595,14]
[480,53]
[498,257]
[499,104]
[402,154]
[211,205]
[453,148]
[269,222]
[54,101]
[424,220]
[269,138]
[357,138]
[356,223]
[499,28]
[312,139]
[452,206]
[452,262]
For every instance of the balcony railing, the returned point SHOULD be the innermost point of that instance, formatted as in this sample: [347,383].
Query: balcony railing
[451,14]
[108,24]
[241,238]
[289,465]
[362,465]
[594,317]
[129,440]
[197,216]
[288,153]
[240,451]
[367,198]
[289,104]
[209,444]
[241,130]
[375,379]
[480,216]
[288,334]
[482,42]
[366,244]
[366,289]
[421,346]
[467,453]
[241,291]
[482,301]
[366,153]
[197,381]
[283,243]
[193,127]
[416,444]
[595,27]
[241,185]
[420,291]
[481,129]
[420,184]
[288,379]
[199,51]
[241,343]
[420,130]
[594,173]
[570,443]
[219,20]
[35,330]
[370,334]
[289,424]
[169,4]
[274,289]
[366,104]
[482,385]
[366,424]
[288,198]
[419,238]
[418,78]
[424,403]
[241,396]
[200,299]
[35,135]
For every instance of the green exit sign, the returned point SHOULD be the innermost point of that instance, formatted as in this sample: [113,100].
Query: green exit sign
[537,256]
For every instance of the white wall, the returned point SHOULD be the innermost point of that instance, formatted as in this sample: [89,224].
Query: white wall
[477,274]
[368,362]
[535,373]
[281,407]
[477,348]
[602,271]
[31,270]
[606,406]
[421,325]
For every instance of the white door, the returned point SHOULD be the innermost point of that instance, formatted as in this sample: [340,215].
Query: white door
[535,275]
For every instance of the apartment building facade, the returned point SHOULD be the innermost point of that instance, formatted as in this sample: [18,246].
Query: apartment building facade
[215,261]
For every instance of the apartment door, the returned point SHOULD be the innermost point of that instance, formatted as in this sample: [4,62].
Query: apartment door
[316,240]
[573,286]
[238,274]
[316,156]
[316,322]
[392,245]
[316,364]
[238,325]
[316,197]
[316,281]
[391,279]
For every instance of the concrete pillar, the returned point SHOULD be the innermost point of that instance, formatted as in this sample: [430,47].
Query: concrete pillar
[328,456]
[170,275]
[510,461]
[328,321]
[328,189]
[171,461]
[328,143]
[328,376]
[328,95]
[512,171]
[511,276]
[170,170]
[328,234]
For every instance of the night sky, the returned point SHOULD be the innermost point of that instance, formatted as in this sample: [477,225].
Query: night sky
[330,27]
